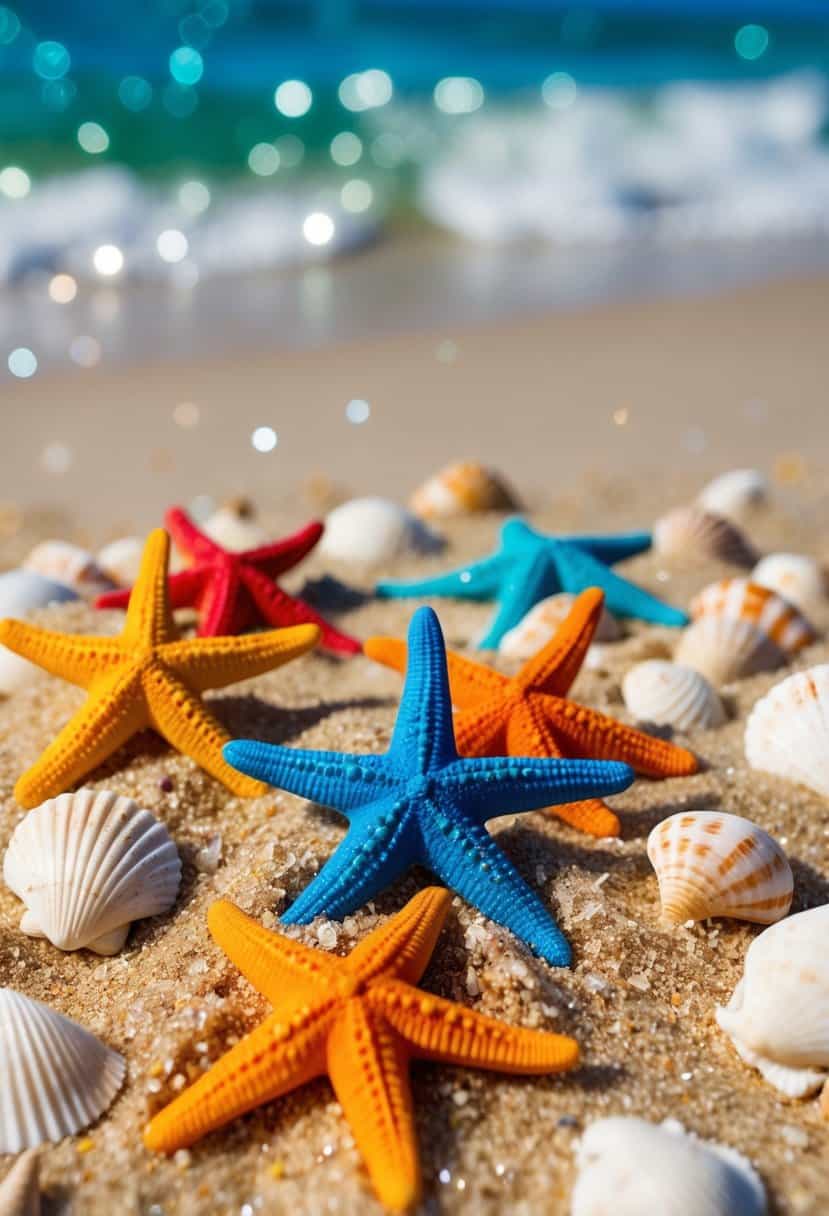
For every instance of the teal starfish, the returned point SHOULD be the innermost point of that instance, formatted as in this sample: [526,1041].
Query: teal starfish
[529,566]
[420,803]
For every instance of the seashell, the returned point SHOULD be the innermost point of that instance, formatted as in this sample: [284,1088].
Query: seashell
[70,565]
[799,579]
[88,864]
[669,694]
[631,1167]
[372,530]
[709,863]
[693,532]
[740,628]
[20,1189]
[787,732]
[460,489]
[120,560]
[234,527]
[21,593]
[778,1015]
[542,621]
[57,1077]
[736,494]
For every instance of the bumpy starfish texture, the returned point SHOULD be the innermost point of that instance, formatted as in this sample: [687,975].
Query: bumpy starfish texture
[420,803]
[360,1020]
[145,677]
[233,592]
[528,715]
[529,566]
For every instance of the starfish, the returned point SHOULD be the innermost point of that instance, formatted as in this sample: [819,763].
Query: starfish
[233,592]
[420,803]
[147,676]
[360,1020]
[528,715]
[529,566]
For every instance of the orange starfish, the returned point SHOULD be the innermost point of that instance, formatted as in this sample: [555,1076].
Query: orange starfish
[527,715]
[360,1020]
[147,676]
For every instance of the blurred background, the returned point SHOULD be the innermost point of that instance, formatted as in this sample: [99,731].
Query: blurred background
[258,243]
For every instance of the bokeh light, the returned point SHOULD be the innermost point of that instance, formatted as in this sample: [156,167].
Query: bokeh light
[358,411]
[751,41]
[135,93]
[85,351]
[51,60]
[459,94]
[559,90]
[93,138]
[263,160]
[346,148]
[62,288]
[293,98]
[108,260]
[193,197]
[186,414]
[356,195]
[366,90]
[56,457]
[264,439]
[9,25]
[186,65]
[172,245]
[22,362]
[14,182]
[291,151]
[318,228]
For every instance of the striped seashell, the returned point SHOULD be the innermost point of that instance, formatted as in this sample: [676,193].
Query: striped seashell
[778,1015]
[88,864]
[709,863]
[787,732]
[740,628]
[669,694]
[57,1077]
[692,532]
[69,565]
[20,1189]
[801,580]
[461,489]
[542,622]
[21,593]
[630,1167]
[736,494]
[372,530]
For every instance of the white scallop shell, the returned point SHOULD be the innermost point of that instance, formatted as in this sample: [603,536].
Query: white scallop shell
[787,732]
[20,1189]
[460,489]
[371,530]
[21,593]
[709,863]
[88,864]
[70,565]
[121,559]
[234,530]
[736,494]
[778,1016]
[692,532]
[630,1167]
[543,620]
[799,579]
[671,695]
[57,1077]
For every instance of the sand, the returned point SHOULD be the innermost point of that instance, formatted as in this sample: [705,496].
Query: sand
[640,998]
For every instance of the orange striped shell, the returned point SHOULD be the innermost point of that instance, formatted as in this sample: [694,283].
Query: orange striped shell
[462,488]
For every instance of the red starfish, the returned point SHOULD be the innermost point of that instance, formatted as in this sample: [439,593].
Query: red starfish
[233,592]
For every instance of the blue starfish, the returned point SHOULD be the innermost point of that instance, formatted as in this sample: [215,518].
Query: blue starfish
[529,566]
[420,803]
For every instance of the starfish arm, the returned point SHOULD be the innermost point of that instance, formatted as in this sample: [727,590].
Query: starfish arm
[188,539]
[183,590]
[469,682]
[612,549]
[149,619]
[556,665]
[424,737]
[403,946]
[578,569]
[272,1060]
[586,732]
[477,581]
[483,731]
[276,558]
[531,579]
[341,780]
[436,1029]
[189,726]
[368,1066]
[501,785]
[464,856]
[216,662]
[279,609]
[73,657]
[287,973]
[103,723]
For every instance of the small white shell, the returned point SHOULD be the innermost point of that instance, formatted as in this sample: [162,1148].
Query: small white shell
[234,528]
[57,1077]
[799,579]
[120,560]
[709,863]
[460,489]
[736,494]
[692,532]
[88,864]
[671,695]
[70,565]
[372,530]
[535,629]
[778,1016]
[21,593]
[20,1189]
[787,732]
[629,1167]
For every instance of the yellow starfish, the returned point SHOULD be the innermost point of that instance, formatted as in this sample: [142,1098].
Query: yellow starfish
[147,676]
[359,1020]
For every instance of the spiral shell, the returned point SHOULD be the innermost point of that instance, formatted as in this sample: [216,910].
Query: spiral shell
[736,494]
[20,1189]
[372,530]
[460,489]
[88,864]
[543,620]
[21,593]
[787,732]
[692,532]
[69,565]
[778,1015]
[799,579]
[57,1077]
[709,863]
[669,694]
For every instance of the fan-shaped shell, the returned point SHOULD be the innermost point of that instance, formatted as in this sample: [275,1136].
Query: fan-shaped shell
[740,628]
[799,579]
[57,1077]
[535,629]
[70,565]
[694,533]
[234,527]
[21,593]
[372,530]
[671,695]
[20,1189]
[736,494]
[460,489]
[709,863]
[787,732]
[88,864]
[629,1167]
[778,1016]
